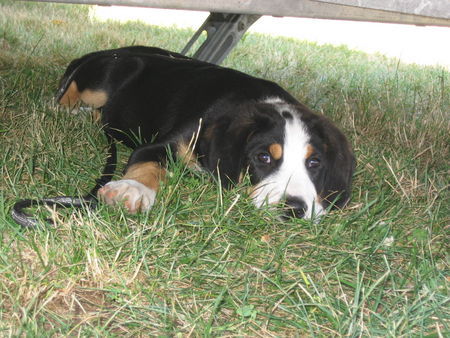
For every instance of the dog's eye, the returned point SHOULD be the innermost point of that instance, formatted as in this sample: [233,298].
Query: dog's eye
[264,158]
[312,163]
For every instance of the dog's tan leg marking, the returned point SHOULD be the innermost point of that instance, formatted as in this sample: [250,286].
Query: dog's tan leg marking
[186,154]
[276,150]
[96,116]
[149,174]
[71,96]
[94,98]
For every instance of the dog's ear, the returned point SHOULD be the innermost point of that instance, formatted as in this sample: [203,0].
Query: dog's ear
[340,165]
[223,142]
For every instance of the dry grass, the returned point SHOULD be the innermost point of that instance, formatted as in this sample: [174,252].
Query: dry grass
[204,261]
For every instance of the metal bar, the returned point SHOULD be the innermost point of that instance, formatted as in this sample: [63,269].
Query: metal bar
[223,33]
[434,8]
[320,9]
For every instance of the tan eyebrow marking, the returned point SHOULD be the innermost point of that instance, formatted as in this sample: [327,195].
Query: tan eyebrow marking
[276,150]
[309,150]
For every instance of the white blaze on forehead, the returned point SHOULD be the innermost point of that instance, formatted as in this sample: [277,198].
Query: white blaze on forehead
[291,177]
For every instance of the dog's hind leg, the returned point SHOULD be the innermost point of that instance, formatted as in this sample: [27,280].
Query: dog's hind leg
[95,98]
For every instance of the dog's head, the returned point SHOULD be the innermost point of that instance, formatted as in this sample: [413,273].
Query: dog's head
[292,156]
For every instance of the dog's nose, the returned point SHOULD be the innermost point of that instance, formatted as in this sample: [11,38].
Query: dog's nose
[296,207]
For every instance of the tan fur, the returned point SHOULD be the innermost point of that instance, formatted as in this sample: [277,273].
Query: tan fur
[309,150]
[96,116]
[186,155]
[94,98]
[276,150]
[149,174]
[71,96]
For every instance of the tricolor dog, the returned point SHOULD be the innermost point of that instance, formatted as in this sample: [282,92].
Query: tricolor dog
[163,104]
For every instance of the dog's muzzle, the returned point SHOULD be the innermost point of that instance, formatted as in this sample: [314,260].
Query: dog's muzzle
[295,207]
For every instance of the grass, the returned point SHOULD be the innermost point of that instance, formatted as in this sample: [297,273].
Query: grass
[204,261]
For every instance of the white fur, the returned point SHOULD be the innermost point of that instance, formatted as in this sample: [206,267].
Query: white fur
[134,195]
[291,179]
[275,100]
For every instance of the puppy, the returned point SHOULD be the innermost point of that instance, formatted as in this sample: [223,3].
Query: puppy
[165,105]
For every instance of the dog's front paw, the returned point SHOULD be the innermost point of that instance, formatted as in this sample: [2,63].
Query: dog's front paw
[134,195]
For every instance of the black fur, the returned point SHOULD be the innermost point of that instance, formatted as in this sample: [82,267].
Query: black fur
[161,96]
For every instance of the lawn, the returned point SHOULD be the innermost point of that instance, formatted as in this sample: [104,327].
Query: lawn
[204,262]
